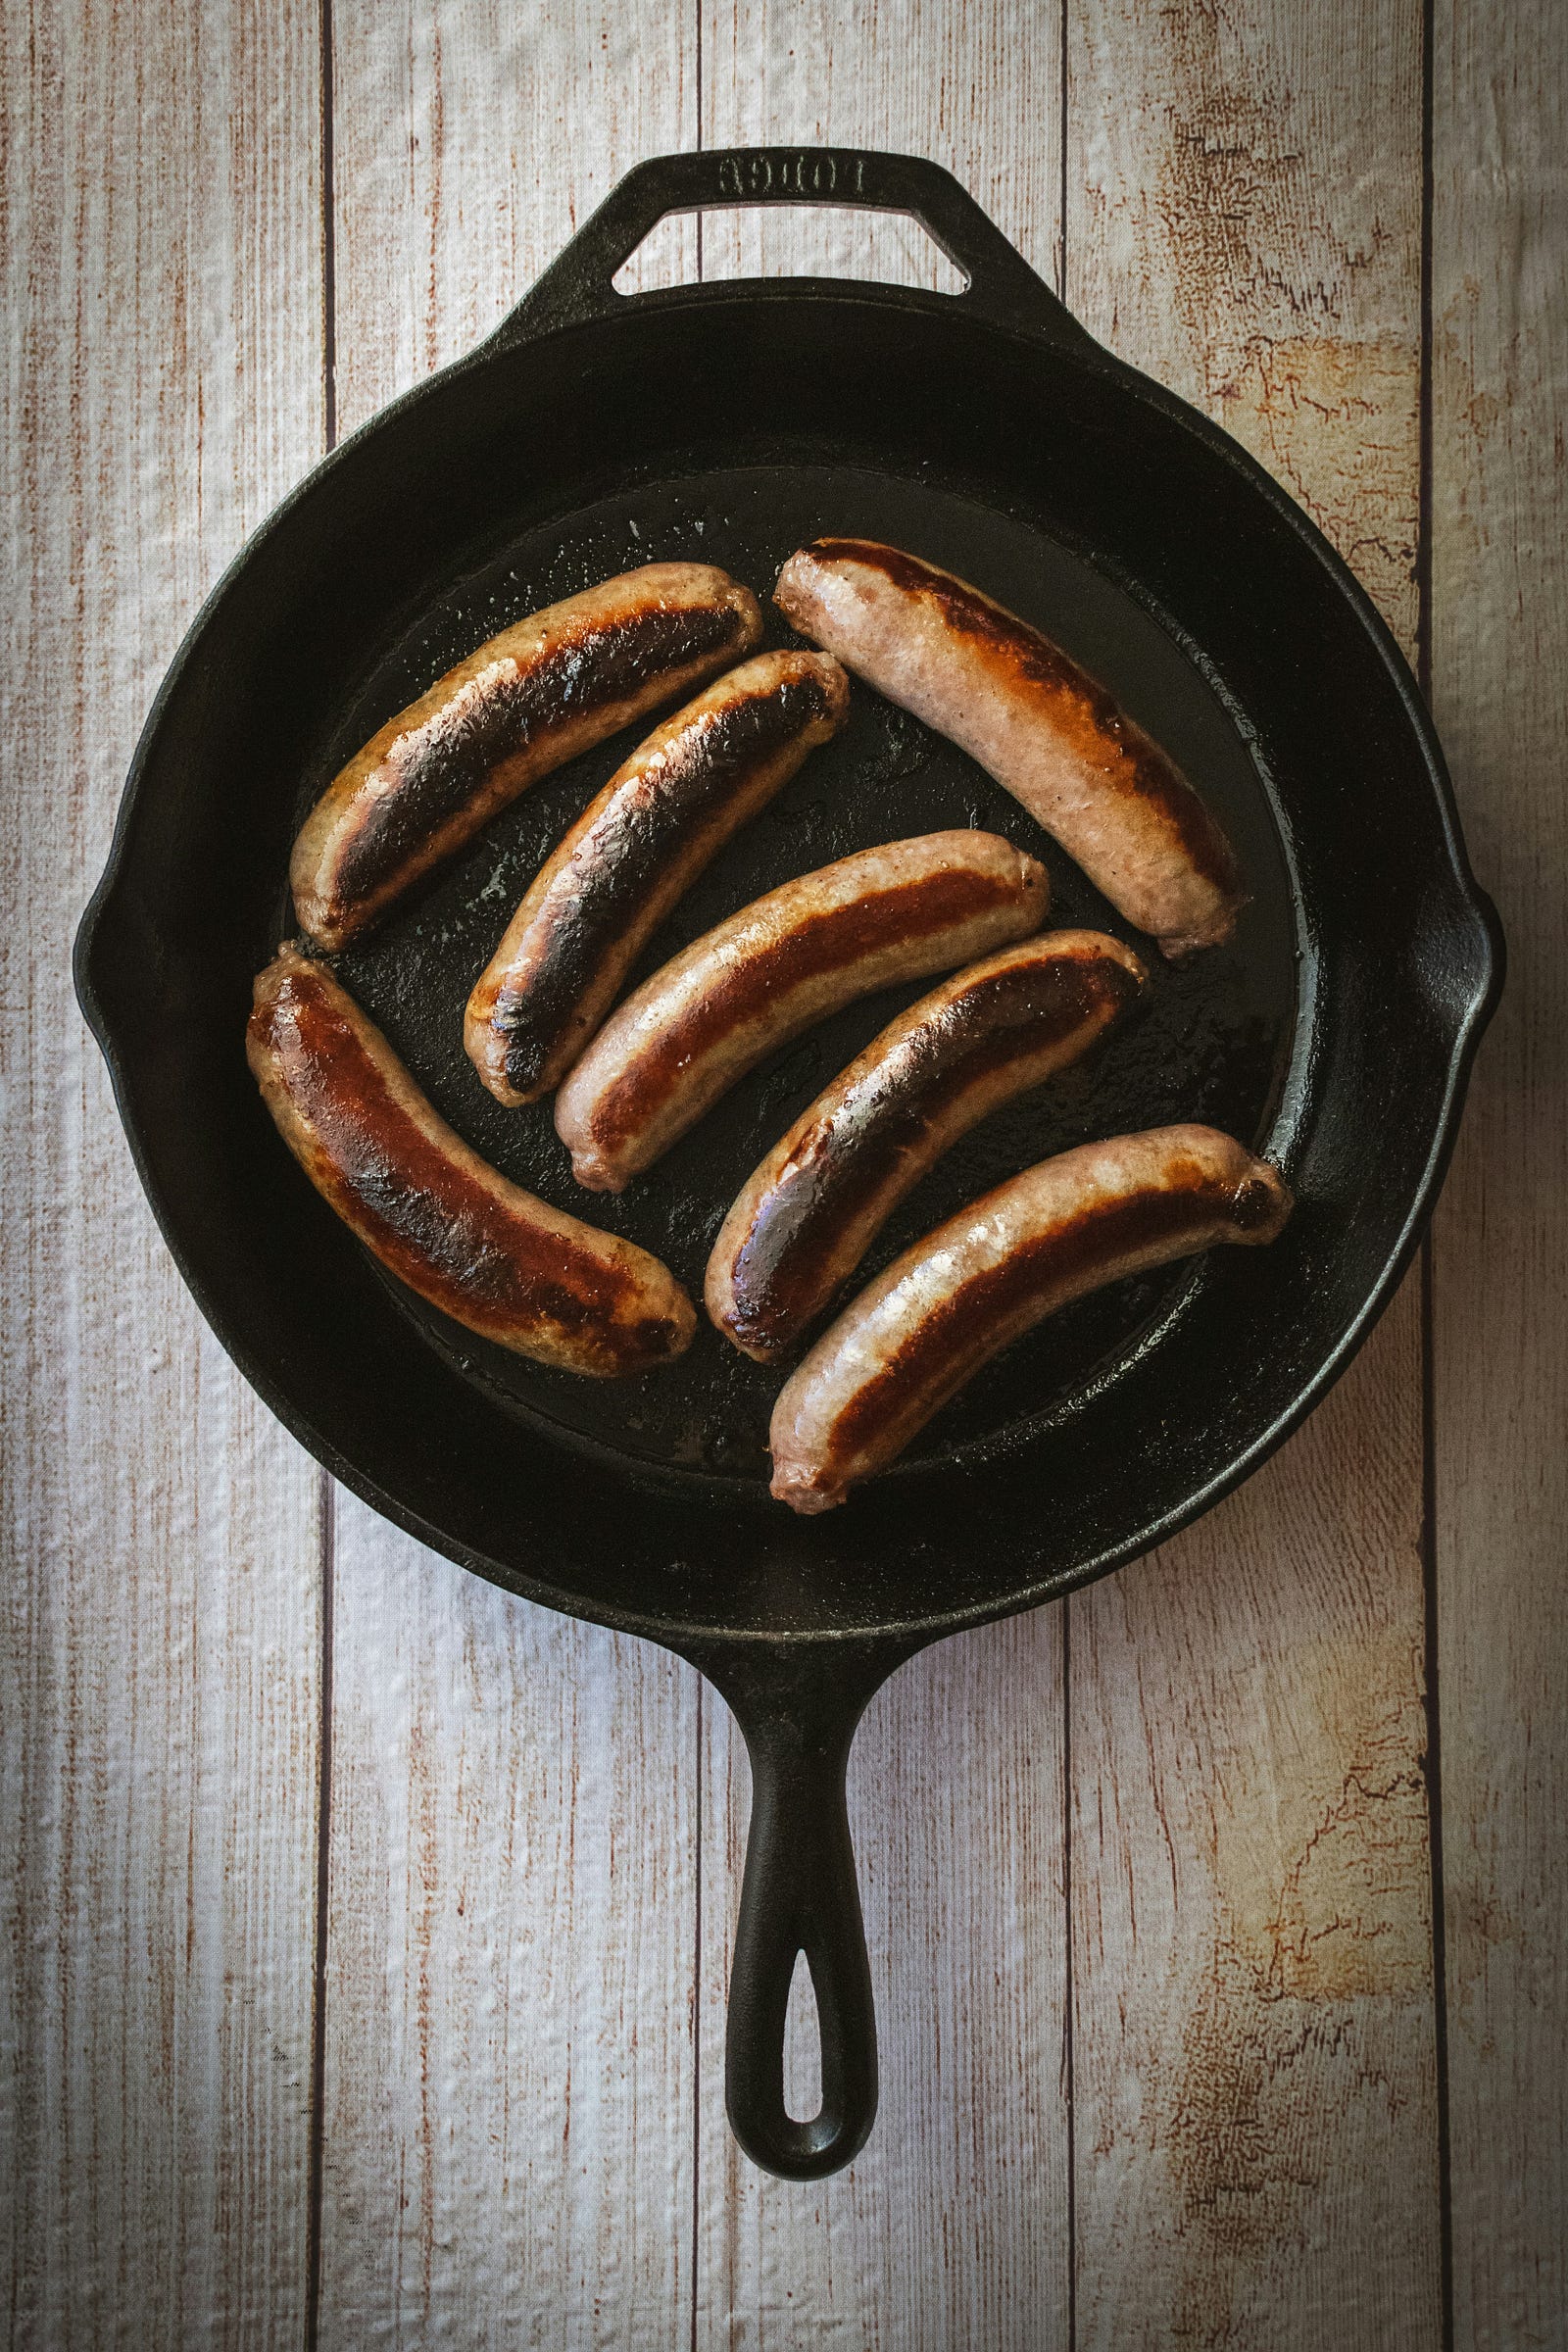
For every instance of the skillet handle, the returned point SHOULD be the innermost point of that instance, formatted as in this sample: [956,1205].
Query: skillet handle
[798,1894]
[577,286]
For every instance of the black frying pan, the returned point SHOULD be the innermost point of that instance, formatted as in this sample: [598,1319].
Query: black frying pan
[731,422]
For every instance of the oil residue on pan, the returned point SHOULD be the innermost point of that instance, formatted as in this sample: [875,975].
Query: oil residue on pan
[1212,1041]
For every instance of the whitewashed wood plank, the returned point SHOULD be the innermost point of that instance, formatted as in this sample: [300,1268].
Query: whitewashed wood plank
[473,139]
[1244,220]
[1255,2150]
[514,1871]
[159,1698]
[511,1922]
[952,2227]
[972,84]
[1254,2074]
[1499,667]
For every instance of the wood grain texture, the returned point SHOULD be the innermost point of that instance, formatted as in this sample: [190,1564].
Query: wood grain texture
[1254,2076]
[1500,1266]
[471,140]
[951,2228]
[1244,221]
[508,2118]
[508,2072]
[973,85]
[1255,2150]
[160,1596]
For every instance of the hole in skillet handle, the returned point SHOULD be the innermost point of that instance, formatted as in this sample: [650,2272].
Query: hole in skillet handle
[580,284]
[802,2048]
[829,240]
[797,1707]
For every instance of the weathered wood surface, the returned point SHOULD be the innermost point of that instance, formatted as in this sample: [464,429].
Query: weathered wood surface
[509,2127]
[1254,2068]
[1212,1768]
[1500,1267]
[160,1700]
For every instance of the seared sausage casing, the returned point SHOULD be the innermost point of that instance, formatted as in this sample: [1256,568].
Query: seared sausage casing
[789,960]
[594,904]
[1033,720]
[808,1215]
[986,1276]
[489,1254]
[528,700]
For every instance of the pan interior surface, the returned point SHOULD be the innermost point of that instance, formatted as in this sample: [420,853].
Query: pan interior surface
[1212,1041]
[730,427]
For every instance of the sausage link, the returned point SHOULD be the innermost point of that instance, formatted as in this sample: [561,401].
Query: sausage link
[594,903]
[486,1253]
[1041,727]
[986,1276]
[781,964]
[810,1211]
[527,700]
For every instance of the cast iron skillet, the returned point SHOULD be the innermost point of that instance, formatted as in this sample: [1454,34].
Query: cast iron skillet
[731,422]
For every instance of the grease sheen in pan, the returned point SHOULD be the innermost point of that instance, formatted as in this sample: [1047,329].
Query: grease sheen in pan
[1209,1044]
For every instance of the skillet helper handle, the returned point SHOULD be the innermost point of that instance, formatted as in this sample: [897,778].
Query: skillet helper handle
[577,286]
[798,1894]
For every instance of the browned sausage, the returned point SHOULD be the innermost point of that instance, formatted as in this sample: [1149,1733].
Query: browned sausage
[534,696]
[781,964]
[1033,720]
[986,1276]
[812,1210]
[483,1250]
[594,903]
